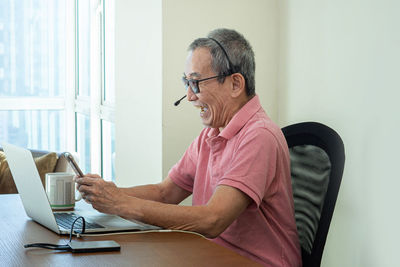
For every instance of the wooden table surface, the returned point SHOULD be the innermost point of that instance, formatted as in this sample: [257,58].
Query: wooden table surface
[141,249]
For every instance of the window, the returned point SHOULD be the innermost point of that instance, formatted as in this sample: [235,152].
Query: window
[57,78]
[34,72]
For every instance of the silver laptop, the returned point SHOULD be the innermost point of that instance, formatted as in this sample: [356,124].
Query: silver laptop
[37,205]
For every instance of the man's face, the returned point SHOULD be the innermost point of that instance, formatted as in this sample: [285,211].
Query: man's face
[213,100]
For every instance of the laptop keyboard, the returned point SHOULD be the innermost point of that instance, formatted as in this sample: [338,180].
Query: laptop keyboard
[65,220]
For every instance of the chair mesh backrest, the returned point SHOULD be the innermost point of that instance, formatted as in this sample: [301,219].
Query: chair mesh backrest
[310,170]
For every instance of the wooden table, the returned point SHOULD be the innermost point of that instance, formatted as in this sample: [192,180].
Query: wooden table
[145,249]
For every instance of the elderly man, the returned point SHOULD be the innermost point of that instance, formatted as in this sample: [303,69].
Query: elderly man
[237,168]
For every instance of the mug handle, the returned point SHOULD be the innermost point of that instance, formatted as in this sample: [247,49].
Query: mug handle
[79,196]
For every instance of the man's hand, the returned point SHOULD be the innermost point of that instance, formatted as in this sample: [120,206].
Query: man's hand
[104,196]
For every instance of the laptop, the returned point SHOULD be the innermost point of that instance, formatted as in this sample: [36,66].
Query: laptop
[37,205]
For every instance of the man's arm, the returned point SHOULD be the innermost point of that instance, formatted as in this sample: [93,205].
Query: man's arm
[165,192]
[226,204]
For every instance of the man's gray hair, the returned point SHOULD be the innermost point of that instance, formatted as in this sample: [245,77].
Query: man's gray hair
[238,50]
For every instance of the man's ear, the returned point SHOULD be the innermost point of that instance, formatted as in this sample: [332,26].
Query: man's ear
[238,85]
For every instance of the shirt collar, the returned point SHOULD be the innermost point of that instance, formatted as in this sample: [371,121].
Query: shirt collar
[239,119]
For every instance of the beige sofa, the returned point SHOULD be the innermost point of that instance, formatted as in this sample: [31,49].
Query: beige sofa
[46,161]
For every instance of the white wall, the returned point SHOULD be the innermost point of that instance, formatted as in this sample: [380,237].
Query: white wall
[184,21]
[340,65]
[138,42]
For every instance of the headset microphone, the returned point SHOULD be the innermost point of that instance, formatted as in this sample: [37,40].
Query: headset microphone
[179,101]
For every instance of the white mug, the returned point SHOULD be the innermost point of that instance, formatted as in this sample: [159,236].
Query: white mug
[60,189]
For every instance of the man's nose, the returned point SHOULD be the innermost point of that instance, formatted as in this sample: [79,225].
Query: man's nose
[190,95]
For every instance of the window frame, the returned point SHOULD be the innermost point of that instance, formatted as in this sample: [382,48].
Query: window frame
[95,106]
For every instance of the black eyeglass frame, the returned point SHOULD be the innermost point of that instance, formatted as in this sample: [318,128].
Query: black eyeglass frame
[194,84]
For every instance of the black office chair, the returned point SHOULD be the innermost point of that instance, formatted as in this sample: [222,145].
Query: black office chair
[317,161]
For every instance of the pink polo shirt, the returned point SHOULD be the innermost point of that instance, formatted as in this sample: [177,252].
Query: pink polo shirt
[251,155]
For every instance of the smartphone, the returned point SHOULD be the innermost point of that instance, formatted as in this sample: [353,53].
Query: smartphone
[73,164]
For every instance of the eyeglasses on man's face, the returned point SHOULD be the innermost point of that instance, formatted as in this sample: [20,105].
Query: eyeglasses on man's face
[194,84]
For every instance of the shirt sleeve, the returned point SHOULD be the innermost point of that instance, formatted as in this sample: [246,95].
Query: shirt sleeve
[183,172]
[253,166]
